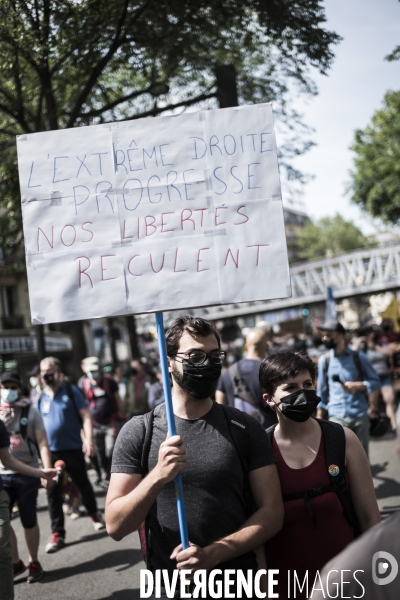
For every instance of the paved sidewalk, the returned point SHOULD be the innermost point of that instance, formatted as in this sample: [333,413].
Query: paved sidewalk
[385,467]
[92,566]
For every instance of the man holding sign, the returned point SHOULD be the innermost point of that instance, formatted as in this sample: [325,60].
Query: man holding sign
[220,531]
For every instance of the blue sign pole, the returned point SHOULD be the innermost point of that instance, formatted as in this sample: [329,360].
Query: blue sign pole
[171,426]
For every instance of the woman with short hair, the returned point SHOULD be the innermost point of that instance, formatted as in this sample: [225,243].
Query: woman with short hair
[28,439]
[323,505]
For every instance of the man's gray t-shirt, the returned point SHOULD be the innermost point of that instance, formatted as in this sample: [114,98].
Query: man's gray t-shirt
[213,480]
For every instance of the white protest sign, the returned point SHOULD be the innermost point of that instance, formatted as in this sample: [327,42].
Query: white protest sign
[152,215]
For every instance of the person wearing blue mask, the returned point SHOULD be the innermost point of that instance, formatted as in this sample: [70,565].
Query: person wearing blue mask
[28,443]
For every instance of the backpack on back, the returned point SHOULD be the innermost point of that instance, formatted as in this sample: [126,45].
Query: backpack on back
[104,407]
[23,429]
[242,397]
[335,457]
[240,440]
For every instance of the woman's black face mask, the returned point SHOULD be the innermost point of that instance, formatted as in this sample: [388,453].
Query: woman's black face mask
[300,405]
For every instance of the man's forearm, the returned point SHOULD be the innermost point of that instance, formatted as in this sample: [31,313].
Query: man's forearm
[88,429]
[126,513]
[260,527]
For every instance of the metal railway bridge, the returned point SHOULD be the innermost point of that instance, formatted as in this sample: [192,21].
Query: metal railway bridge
[356,273]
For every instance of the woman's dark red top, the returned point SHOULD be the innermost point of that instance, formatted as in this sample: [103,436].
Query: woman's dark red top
[298,546]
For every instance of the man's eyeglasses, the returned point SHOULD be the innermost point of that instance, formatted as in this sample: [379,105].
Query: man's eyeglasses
[198,357]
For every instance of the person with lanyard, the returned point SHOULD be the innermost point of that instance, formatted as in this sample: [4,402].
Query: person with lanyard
[324,472]
[221,532]
[12,464]
[28,443]
[65,413]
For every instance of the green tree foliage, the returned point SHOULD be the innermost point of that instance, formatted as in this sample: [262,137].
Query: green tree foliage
[376,175]
[66,63]
[330,235]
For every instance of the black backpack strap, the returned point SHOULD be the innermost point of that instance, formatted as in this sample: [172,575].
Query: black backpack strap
[23,428]
[144,528]
[335,456]
[240,389]
[325,375]
[270,431]
[240,436]
[70,394]
[23,421]
[357,362]
[148,419]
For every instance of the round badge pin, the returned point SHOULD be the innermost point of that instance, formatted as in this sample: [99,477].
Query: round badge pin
[333,470]
[24,421]
[65,398]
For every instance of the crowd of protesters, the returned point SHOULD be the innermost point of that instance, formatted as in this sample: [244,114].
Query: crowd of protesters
[73,428]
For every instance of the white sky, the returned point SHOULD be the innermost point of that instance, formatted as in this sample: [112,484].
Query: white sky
[347,99]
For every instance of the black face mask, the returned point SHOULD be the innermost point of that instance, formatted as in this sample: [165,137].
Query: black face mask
[50,378]
[330,344]
[299,406]
[199,382]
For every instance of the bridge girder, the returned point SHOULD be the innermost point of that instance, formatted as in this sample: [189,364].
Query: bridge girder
[352,274]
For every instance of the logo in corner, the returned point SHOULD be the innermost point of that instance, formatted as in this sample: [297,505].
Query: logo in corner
[384,568]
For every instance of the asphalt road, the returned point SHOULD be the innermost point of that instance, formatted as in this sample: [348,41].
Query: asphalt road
[94,567]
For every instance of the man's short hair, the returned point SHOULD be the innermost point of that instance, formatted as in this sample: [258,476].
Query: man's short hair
[279,367]
[194,326]
[52,360]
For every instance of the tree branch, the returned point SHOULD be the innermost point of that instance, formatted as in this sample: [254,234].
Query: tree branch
[114,103]
[28,13]
[25,54]
[98,69]
[156,111]
[16,118]
[8,132]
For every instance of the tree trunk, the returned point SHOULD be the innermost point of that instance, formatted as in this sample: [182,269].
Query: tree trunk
[111,339]
[131,326]
[79,348]
[40,342]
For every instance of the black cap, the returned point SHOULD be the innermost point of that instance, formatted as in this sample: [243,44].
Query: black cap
[332,325]
[12,377]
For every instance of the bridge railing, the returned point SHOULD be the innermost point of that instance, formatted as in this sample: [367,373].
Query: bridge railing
[370,270]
